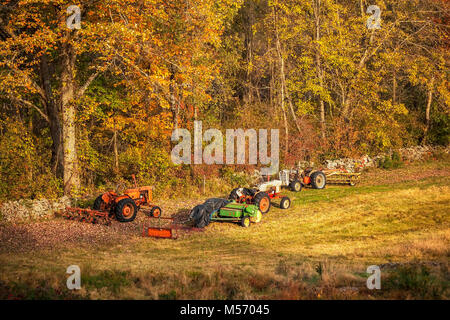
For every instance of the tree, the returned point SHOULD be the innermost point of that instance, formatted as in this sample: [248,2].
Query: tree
[164,52]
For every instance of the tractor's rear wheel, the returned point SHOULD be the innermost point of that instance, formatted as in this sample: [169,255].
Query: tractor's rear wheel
[285,203]
[100,204]
[318,180]
[233,195]
[245,222]
[262,201]
[126,210]
[295,186]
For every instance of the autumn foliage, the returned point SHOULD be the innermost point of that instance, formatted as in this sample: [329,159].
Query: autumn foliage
[81,109]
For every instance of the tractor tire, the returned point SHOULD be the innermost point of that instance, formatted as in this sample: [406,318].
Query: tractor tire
[318,180]
[262,201]
[285,203]
[126,210]
[233,195]
[295,186]
[200,216]
[245,222]
[257,218]
[155,212]
[100,204]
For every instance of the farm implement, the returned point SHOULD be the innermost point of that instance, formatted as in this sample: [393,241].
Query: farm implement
[339,176]
[317,179]
[121,207]
[88,215]
[165,228]
[224,211]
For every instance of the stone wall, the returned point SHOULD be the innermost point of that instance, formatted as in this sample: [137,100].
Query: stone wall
[28,210]
[411,154]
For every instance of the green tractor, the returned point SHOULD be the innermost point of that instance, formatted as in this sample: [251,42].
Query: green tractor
[226,211]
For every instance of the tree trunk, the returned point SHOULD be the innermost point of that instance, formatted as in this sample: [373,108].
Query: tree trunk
[282,87]
[175,107]
[272,83]
[394,89]
[428,111]
[286,125]
[52,112]
[283,104]
[283,79]
[174,104]
[319,69]
[249,48]
[71,175]
[116,152]
[361,4]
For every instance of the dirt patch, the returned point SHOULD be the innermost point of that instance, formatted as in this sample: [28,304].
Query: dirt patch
[59,232]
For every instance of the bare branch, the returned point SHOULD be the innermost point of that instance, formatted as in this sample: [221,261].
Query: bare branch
[87,84]
[31,105]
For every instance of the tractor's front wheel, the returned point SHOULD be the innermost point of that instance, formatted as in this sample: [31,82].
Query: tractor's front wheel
[285,203]
[155,212]
[245,222]
[262,201]
[257,218]
[295,186]
[126,210]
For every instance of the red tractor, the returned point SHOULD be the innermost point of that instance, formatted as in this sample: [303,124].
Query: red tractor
[296,179]
[123,207]
[126,206]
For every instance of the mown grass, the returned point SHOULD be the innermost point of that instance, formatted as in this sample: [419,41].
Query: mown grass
[320,248]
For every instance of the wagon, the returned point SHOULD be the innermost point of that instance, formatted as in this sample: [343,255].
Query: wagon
[225,211]
[339,176]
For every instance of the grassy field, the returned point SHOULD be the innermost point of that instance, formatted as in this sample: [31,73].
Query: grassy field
[319,249]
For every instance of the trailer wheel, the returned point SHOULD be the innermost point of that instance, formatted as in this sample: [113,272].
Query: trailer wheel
[295,186]
[285,203]
[155,212]
[318,180]
[99,204]
[257,218]
[262,201]
[245,222]
[126,210]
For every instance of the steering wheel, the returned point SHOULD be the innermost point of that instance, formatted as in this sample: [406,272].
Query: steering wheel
[121,187]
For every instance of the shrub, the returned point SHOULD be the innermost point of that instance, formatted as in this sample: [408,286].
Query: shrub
[234,178]
[416,281]
[391,162]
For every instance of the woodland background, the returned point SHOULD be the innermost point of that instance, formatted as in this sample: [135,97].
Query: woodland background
[83,109]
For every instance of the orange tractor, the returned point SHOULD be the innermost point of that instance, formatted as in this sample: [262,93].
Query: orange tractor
[123,207]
